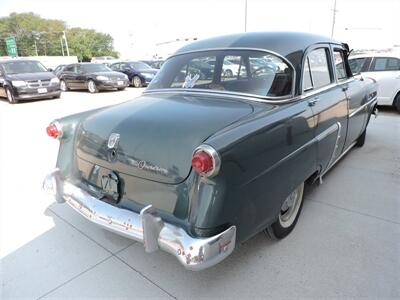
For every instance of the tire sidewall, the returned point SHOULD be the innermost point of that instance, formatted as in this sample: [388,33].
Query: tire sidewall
[10,96]
[94,90]
[277,230]
[136,79]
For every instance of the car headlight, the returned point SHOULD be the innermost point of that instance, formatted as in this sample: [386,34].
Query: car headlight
[18,83]
[55,80]
[100,77]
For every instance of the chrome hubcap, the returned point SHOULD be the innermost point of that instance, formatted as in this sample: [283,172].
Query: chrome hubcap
[63,86]
[92,87]
[9,96]
[290,207]
[136,81]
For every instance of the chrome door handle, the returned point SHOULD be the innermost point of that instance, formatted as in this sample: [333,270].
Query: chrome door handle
[312,102]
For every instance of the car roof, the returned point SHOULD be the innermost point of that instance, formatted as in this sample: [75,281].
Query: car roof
[291,45]
[372,54]
[17,60]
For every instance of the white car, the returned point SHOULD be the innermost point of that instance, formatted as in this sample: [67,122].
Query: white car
[385,69]
[107,60]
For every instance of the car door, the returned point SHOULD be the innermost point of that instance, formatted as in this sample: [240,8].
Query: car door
[386,71]
[68,75]
[354,89]
[80,77]
[2,82]
[328,102]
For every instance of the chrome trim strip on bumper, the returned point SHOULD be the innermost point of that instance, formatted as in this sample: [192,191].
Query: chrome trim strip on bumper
[147,228]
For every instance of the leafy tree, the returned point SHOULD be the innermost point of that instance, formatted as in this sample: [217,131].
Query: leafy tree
[35,35]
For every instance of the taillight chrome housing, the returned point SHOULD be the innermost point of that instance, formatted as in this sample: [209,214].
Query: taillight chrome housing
[206,161]
[54,130]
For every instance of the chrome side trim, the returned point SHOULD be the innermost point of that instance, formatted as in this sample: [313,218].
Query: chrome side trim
[147,228]
[337,159]
[339,129]
[354,112]
[287,98]
[318,138]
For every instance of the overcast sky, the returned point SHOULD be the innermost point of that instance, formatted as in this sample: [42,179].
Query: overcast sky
[137,25]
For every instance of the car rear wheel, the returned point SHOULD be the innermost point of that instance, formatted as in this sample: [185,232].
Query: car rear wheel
[63,86]
[10,96]
[288,214]
[92,87]
[397,102]
[136,82]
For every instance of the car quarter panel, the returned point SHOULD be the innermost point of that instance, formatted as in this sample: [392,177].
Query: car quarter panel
[263,159]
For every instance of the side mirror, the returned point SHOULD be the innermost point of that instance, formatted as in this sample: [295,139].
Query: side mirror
[50,70]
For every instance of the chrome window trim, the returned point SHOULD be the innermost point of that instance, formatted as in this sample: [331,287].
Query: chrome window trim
[281,99]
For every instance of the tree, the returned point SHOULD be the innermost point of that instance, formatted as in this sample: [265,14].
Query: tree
[37,36]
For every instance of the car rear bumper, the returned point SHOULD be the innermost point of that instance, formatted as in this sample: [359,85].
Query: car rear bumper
[147,228]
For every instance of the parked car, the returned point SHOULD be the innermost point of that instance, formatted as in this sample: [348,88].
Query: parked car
[385,69]
[22,79]
[195,167]
[90,76]
[58,70]
[139,73]
[155,64]
[107,60]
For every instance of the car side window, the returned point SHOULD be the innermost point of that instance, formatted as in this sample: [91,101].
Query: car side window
[357,64]
[77,69]
[316,72]
[386,64]
[115,67]
[69,69]
[340,69]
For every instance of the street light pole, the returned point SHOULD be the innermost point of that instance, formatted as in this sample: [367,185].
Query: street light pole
[334,18]
[245,15]
[36,48]
[62,46]
[66,42]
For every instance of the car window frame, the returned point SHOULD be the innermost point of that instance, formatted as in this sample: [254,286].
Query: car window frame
[347,69]
[373,61]
[328,47]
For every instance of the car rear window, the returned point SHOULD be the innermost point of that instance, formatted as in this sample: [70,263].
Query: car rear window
[240,71]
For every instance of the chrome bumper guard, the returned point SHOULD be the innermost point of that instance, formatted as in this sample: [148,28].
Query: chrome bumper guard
[146,227]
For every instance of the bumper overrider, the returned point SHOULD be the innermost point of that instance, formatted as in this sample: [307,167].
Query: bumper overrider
[146,227]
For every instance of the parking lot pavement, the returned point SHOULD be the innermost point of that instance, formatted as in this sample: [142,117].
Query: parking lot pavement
[346,243]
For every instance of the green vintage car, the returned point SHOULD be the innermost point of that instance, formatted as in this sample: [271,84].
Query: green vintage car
[203,161]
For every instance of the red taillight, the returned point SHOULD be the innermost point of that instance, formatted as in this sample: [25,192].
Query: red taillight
[54,130]
[202,162]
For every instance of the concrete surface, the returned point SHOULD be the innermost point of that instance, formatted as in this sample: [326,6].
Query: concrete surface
[345,245]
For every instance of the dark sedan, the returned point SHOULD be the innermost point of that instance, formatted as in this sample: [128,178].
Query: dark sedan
[139,73]
[201,163]
[93,77]
[27,79]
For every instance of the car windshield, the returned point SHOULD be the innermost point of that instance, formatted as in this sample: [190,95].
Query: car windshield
[18,67]
[90,68]
[240,71]
[139,65]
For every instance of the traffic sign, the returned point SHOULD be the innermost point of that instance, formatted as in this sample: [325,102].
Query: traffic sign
[11,46]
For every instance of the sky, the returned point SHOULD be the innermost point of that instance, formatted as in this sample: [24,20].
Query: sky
[138,25]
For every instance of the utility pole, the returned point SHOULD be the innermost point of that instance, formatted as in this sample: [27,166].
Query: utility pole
[62,46]
[334,18]
[66,42]
[245,15]
[36,49]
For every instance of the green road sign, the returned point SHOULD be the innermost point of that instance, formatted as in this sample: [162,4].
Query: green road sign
[11,46]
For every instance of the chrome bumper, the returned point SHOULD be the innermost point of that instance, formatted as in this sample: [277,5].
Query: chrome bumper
[146,227]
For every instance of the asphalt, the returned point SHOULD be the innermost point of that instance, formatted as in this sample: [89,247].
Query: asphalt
[345,245]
